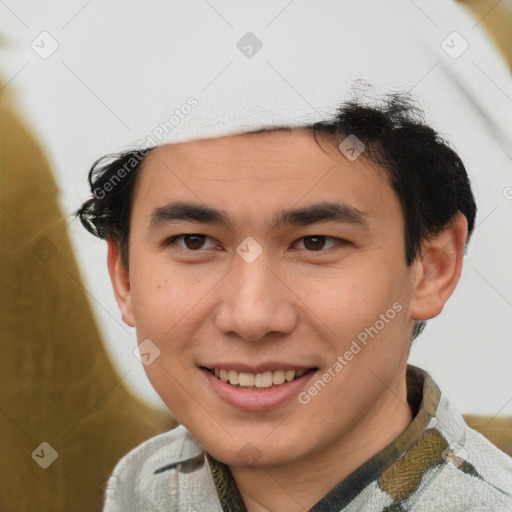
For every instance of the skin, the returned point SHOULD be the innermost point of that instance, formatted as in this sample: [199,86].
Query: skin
[292,304]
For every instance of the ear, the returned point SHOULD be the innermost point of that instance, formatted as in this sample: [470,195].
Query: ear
[120,278]
[438,269]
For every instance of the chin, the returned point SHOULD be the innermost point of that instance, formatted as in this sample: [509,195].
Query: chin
[253,452]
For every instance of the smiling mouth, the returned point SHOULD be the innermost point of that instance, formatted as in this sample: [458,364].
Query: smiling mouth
[258,381]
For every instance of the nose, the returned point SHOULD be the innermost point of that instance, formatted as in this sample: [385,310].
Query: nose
[255,301]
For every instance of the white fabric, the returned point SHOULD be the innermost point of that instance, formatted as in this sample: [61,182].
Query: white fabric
[133,486]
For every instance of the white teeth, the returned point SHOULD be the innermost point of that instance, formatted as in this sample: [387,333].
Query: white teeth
[289,375]
[263,380]
[259,380]
[277,377]
[233,377]
[246,379]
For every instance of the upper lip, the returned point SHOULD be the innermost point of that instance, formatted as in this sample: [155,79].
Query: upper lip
[259,368]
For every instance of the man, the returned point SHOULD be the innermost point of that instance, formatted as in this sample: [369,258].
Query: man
[276,280]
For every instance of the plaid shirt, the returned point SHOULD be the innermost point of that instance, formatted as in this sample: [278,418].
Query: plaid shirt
[437,464]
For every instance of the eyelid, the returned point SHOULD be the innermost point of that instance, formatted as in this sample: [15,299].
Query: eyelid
[172,240]
[341,241]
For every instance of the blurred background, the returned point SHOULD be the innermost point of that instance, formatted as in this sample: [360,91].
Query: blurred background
[84,78]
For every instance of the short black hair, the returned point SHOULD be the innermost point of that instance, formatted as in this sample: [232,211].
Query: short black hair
[427,175]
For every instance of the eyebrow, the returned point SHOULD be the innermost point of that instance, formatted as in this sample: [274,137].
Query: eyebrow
[319,212]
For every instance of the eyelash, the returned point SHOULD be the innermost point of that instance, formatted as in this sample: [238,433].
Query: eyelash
[171,241]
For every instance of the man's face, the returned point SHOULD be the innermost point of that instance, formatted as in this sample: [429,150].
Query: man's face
[255,297]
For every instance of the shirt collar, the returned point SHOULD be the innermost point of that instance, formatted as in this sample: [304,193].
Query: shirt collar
[423,396]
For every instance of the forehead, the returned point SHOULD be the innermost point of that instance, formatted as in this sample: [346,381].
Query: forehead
[250,155]
[260,171]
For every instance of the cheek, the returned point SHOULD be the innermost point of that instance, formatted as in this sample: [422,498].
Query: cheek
[162,297]
[170,380]
[350,299]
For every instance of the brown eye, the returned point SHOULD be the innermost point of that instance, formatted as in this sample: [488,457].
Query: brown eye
[317,243]
[192,242]
[320,243]
[314,243]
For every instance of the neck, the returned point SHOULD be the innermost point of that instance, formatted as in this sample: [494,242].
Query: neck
[297,486]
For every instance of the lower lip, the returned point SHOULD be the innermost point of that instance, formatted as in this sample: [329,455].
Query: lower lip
[258,400]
